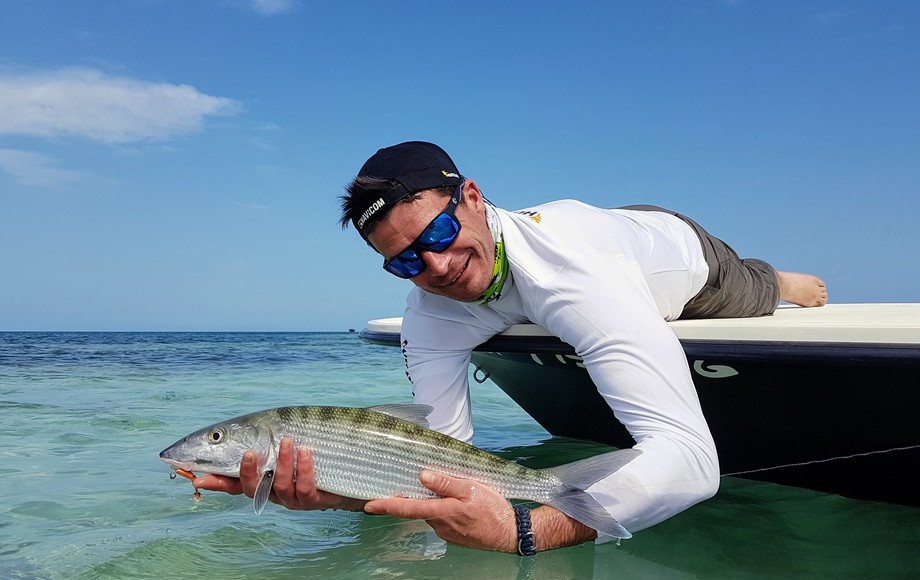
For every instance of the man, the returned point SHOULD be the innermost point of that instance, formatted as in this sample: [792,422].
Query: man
[604,281]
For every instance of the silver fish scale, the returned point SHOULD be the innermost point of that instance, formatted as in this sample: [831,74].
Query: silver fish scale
[364,454]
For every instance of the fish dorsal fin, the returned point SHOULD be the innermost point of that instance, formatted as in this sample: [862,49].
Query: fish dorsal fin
[417,414]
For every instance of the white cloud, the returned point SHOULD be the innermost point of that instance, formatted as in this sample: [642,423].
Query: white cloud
[86,102]
[272,7]
[34,169]
[261,143]
[832,16]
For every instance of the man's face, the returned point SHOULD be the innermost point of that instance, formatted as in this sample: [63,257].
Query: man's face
[464,270]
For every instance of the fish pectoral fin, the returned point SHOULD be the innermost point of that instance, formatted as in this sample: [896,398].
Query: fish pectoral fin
[263,490]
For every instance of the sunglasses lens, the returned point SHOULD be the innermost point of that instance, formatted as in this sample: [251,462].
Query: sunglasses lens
[440,233]
[406,265]
[437,237]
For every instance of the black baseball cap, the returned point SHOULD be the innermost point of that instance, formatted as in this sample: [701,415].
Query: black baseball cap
[414,166]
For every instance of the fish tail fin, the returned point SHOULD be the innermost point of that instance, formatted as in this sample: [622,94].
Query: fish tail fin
[580,475]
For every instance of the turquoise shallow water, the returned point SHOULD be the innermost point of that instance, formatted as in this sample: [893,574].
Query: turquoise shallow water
[84,416]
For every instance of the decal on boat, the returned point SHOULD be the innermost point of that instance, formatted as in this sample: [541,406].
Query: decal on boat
[713,371]
[708,371]
[564,359]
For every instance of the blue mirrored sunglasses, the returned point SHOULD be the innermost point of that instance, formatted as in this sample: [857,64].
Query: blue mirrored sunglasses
[436,237]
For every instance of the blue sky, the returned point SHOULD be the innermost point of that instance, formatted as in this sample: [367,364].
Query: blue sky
[175,164]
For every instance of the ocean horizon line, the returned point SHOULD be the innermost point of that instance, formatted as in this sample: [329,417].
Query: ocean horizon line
[347,331]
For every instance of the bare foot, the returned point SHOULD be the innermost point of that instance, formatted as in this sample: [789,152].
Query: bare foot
[801,289]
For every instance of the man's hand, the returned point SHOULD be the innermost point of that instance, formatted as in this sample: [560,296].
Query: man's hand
[294,486]
[468,513]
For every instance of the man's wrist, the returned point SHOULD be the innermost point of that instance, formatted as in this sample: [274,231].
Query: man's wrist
[526,543]
[554,529]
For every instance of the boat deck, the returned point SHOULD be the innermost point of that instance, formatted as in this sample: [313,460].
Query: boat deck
[892,324]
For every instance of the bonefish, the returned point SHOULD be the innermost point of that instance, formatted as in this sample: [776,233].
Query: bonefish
[378,452]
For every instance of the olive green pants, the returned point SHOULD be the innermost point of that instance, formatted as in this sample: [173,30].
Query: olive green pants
[736,287]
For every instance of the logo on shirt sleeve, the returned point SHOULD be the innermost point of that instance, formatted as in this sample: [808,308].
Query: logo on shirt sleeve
[405,344]
[534,215]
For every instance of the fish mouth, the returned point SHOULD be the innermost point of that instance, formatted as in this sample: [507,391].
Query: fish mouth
[186,465]
[202,465]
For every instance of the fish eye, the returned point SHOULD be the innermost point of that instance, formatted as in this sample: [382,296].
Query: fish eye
[216,436]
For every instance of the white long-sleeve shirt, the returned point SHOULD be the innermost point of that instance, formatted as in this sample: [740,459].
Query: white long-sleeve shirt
[604,281]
